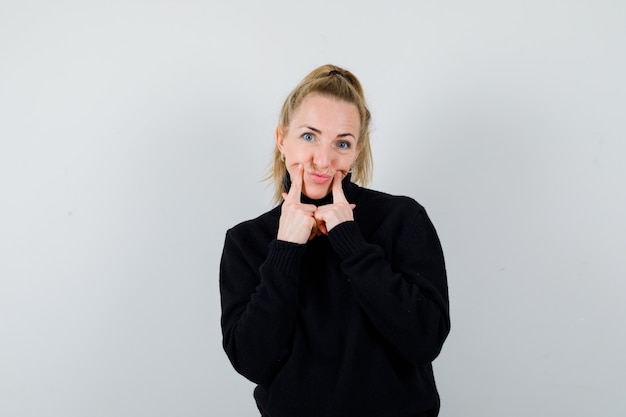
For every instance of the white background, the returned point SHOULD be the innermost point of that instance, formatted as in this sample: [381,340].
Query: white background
[134,133]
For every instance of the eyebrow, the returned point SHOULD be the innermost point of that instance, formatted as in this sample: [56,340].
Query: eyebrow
[341,135]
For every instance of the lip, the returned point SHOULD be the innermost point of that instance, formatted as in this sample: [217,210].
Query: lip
[320,178]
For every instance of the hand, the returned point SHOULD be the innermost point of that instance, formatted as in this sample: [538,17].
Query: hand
[340,211]
[296,224]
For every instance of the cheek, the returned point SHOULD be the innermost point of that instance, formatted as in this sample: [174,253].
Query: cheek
[295,155]
[345,162]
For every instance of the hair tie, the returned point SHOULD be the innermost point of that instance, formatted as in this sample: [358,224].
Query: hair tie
[335,72]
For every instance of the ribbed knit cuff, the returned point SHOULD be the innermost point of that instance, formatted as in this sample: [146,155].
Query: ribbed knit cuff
[346,239]
[285,256]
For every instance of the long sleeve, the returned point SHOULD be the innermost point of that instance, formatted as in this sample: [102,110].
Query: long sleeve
[403,287]
[346,324]
[259,295]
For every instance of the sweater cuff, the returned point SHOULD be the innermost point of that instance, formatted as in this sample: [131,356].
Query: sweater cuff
[285,256]
[346,239]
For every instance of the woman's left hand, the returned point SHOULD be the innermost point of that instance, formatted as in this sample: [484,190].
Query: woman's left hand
[340,211]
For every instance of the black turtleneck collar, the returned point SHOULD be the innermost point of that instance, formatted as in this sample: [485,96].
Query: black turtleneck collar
[346,184]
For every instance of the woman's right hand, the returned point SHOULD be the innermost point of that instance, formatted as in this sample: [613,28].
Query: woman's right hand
[297,223]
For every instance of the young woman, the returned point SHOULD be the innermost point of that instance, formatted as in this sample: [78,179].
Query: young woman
[335,303]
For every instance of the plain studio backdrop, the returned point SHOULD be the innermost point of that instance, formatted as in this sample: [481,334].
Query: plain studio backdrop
[133,134]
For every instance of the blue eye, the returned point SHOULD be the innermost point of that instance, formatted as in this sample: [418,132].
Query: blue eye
[343,145]
[308,137]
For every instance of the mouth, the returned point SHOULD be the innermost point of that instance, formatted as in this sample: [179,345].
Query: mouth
[320,178]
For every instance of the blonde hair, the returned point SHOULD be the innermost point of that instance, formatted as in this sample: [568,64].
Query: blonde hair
[335,82]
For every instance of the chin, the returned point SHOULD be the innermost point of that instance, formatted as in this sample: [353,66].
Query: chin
[316,193]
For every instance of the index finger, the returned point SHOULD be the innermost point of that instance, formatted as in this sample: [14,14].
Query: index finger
[338,195]
[296,184]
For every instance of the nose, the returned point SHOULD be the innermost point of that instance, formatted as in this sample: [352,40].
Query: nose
[321,158]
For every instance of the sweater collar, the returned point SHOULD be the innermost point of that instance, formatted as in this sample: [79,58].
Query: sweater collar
[346,184]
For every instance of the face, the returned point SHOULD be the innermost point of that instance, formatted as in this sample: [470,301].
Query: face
[323,137]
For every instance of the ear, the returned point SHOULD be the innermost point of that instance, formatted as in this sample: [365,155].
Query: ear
[280,137]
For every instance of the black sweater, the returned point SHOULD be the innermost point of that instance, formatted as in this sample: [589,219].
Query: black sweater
[345,325]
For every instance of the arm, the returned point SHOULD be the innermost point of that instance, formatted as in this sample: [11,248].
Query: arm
[403,287]
[258,306]
[260,292]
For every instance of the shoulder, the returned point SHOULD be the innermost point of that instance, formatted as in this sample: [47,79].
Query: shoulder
[384,202]
[262,226]
[394,221]
[380,212]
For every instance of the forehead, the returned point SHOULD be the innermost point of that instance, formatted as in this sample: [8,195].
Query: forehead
[321,111]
